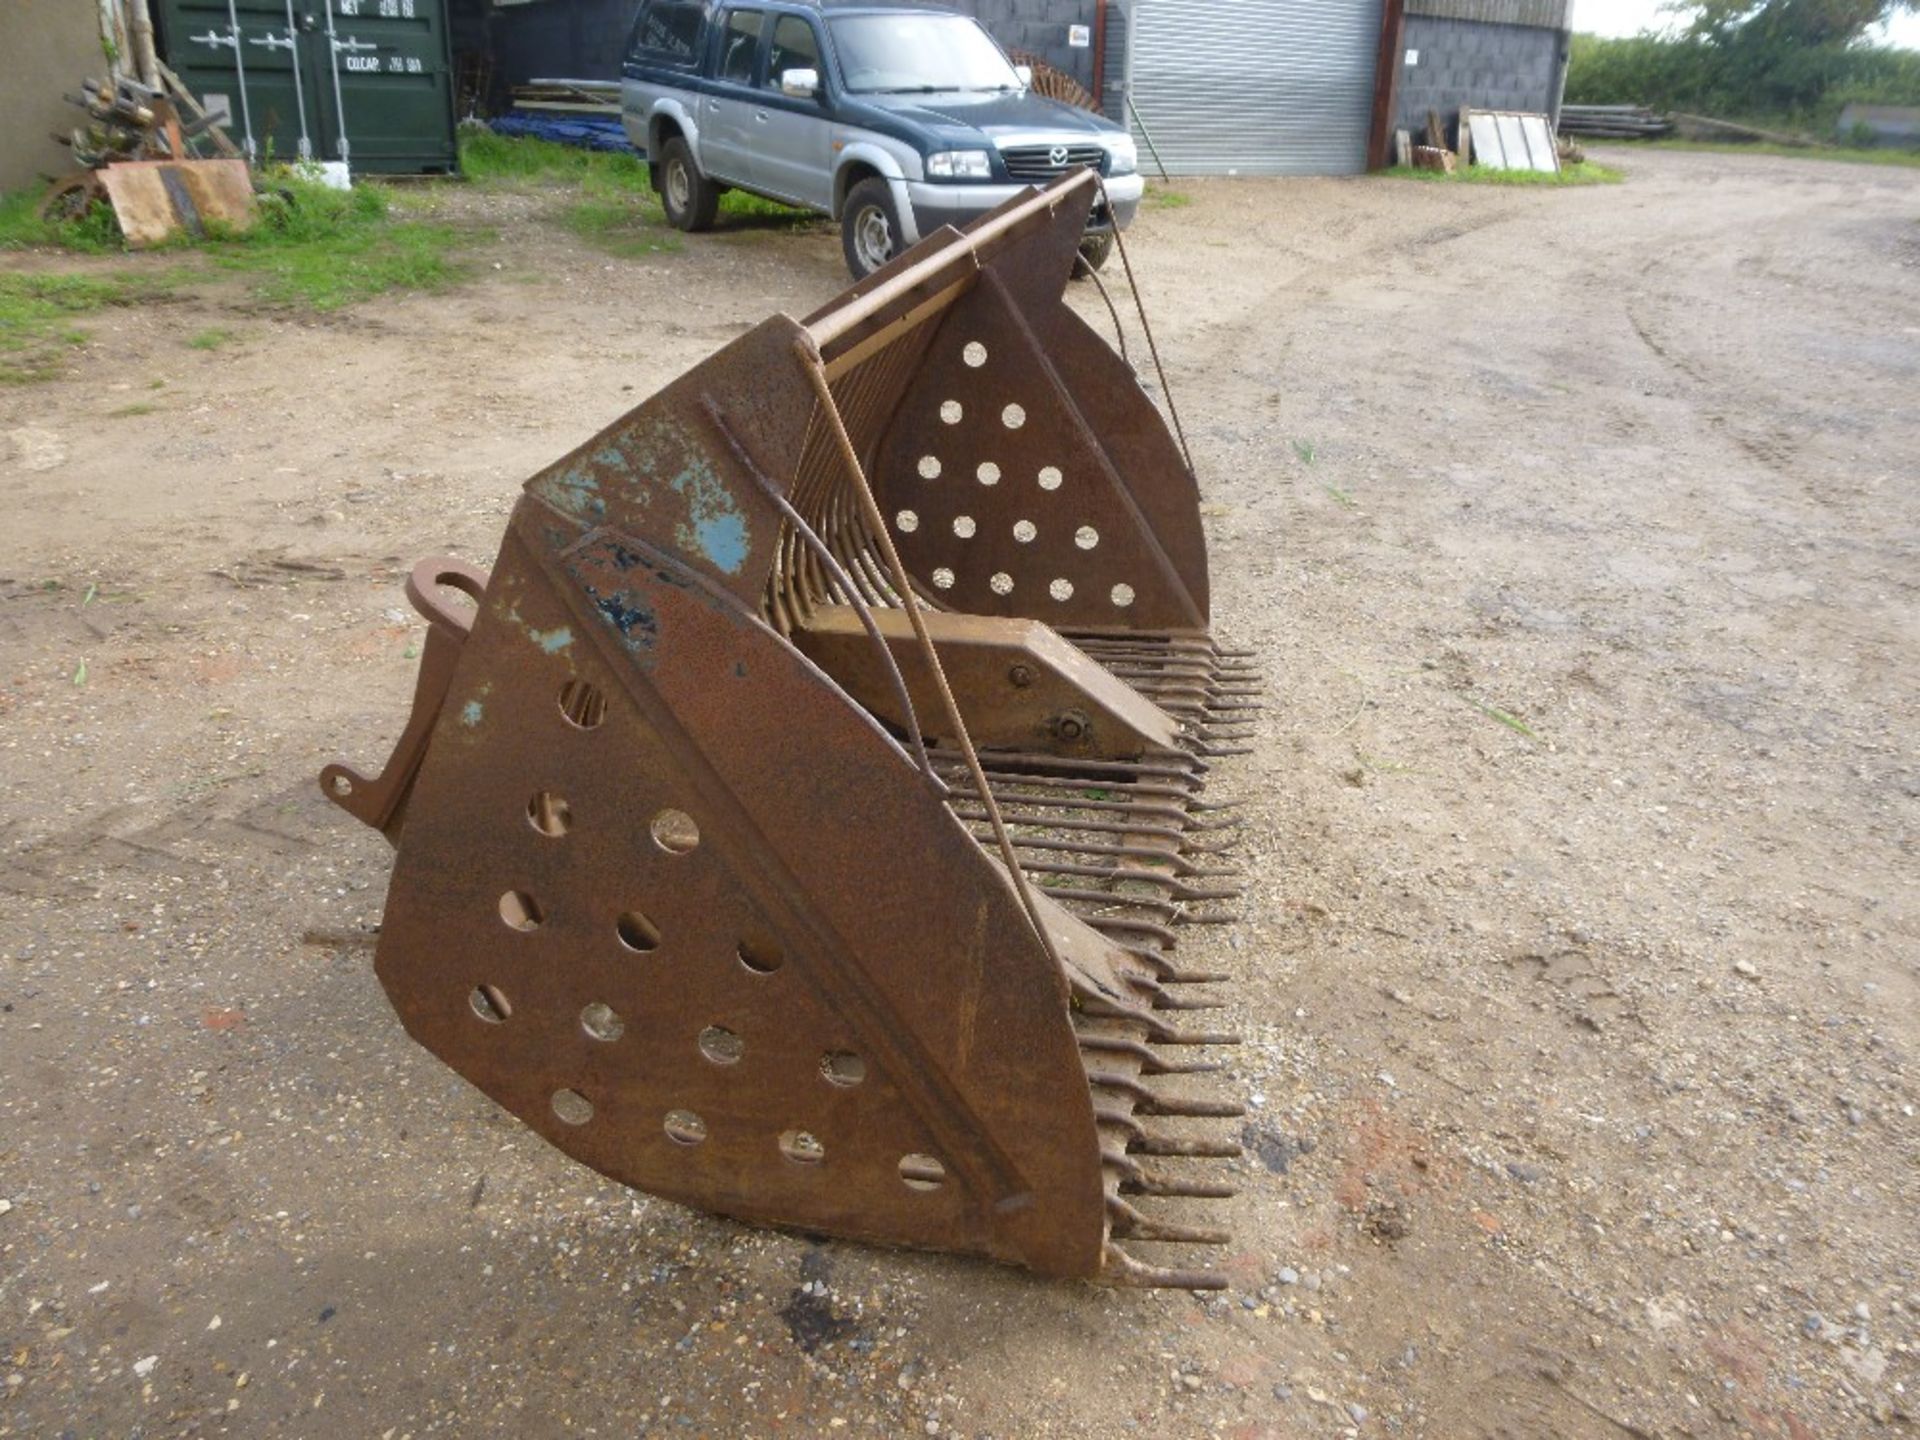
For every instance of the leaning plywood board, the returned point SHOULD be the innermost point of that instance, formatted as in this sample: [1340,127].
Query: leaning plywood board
[156,199]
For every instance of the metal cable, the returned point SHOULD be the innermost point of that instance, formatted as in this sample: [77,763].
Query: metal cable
[1139,305]
[815,367]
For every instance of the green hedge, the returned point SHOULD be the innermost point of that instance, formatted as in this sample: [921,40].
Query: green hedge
[1744,77]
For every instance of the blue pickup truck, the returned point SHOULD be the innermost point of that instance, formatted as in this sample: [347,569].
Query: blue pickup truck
[893,119]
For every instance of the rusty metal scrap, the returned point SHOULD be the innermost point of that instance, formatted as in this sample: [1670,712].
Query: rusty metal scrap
[803,824]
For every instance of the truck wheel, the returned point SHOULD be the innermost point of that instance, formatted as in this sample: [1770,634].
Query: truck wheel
[869,227]
[1094,252]
[689,198]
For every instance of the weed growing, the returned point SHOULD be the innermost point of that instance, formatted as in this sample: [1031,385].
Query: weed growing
[37,312]
[1585,172]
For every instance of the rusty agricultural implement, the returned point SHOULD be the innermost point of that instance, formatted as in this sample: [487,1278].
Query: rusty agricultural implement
[800,821]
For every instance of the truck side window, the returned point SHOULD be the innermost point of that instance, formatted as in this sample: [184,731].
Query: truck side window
[740,45]
[668,31]
[795,47]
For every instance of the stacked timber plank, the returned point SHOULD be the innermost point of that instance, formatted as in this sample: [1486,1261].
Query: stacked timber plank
[1613,122]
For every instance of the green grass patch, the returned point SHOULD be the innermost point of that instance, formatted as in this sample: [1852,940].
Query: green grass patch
[606,196]
[324,248]
[488,158]
[311,246]
[139,407]
[1162,196]
[1585,172]
[211,339]
[21,227]
[1844,154]
[37,314]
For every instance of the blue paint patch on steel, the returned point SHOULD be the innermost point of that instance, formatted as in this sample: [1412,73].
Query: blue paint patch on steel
[639,628]
[471,715]
[572,491]
[612,458]
[551,641]
[715,527]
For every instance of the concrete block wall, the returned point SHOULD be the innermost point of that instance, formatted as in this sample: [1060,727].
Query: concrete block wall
[1469,62]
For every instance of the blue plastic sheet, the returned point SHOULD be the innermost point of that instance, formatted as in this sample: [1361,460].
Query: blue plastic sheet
[589,132]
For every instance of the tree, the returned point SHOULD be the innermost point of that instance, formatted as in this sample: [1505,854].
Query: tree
[1773,26]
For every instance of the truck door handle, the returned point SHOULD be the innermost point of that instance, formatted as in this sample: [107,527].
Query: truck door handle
[761,116]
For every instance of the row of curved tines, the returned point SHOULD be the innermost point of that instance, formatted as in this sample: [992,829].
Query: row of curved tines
[1137,851]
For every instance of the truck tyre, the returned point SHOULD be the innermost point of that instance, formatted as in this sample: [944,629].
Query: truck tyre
[869,227]
[689,198]
[1094,252]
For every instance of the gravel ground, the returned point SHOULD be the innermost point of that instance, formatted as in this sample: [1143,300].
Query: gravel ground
[1580,975]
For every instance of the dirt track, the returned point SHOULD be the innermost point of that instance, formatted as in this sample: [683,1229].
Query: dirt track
[1581,1045]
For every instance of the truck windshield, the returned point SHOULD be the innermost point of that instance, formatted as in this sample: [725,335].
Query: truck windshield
[913,54]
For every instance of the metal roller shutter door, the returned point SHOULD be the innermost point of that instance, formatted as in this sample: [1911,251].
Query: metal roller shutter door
[1254,87]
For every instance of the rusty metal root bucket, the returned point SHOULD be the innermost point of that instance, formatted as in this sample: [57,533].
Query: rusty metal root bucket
[812,848]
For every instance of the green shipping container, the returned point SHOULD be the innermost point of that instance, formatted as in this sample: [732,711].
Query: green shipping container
[365,81]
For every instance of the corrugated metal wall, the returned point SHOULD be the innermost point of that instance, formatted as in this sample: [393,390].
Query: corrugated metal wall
[1254,87]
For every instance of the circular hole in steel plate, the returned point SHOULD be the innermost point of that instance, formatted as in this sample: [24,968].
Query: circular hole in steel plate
[683,1127]
[1122,595]
[802,1148]
[489,1004]
[600,1021]
[761,956]
[922,1172]
[952,411]
[963,526]
[340,785]
[721,1045]
[572,1107]
[1024,531]
[1061,589]
[1001,583]
[929,467]
[975,354]
[1013,417]
[521,911]
[943,579]
[988,473]
[637,932]
[842,1068]
[549,814]
[582,704]
[1086,537]
[1050,477]
[675,832]
[906,522]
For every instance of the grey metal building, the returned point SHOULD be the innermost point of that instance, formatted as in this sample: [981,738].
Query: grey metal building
[1210,87]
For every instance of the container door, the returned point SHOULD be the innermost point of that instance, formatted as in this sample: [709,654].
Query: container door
[250,61]
[382,73]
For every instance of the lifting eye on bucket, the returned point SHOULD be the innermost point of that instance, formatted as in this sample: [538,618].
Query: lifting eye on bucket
[802,819]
